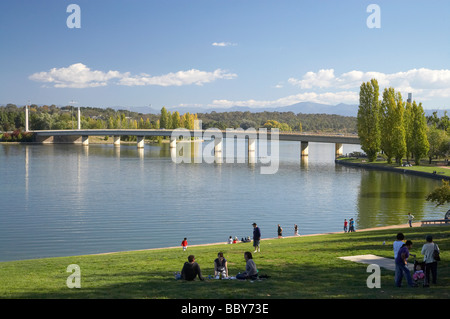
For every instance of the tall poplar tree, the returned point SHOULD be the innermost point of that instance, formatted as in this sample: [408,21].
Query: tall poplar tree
[163,120]
[176,119]
[368,119]
[387,123]
[399,132]
[393,142]
[407,123]
[420,145]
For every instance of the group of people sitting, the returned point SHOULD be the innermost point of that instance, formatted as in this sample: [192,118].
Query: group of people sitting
[235,240]
[191,269]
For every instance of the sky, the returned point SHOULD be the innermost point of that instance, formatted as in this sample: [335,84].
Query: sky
[214,54]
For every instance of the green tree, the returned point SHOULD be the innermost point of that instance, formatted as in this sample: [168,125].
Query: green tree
[368,119]
[176,119]
[420,145]
[163,119]
[399,132]
[407,123]
[388,123]
[440,195]
[438,141]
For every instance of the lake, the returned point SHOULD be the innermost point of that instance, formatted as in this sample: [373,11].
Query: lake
[64,200]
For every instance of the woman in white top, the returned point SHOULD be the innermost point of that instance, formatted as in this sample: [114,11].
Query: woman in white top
[430,262]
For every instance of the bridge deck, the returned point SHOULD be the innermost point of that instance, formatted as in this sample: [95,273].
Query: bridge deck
[282,136]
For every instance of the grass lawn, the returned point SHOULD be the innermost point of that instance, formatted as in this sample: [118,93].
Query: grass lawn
[424,167]
[300,267]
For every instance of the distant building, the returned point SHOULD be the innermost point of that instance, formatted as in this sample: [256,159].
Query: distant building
[409,98]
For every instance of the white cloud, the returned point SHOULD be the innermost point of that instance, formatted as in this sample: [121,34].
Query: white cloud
[325,98]
[79,75]
[223,44]
[75,76]
[425,82]
[178,79]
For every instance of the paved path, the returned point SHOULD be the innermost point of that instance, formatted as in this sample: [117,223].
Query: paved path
[387,263]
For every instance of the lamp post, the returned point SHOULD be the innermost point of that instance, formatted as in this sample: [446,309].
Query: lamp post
[26,116]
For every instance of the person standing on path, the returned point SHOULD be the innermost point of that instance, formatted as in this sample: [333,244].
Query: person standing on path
[410,219]
[280,231]
[345,225]
[430,261]
[256,237]
[295,230]
[401,266]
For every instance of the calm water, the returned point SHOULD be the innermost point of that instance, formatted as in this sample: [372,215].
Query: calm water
[62,200]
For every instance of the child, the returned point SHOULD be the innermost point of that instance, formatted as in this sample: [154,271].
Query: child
[418,274]
[345,225]
[184,244]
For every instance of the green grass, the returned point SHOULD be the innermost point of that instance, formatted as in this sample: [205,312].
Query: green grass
[301,267]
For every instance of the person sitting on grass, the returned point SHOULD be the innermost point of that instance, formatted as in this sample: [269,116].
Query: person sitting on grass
[220,266]
[250,268]
[191,270]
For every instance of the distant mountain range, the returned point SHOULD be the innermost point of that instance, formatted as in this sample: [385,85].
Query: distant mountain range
[303,107]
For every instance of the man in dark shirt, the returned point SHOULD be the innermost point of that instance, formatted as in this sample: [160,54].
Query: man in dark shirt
[256,237]
[191,270]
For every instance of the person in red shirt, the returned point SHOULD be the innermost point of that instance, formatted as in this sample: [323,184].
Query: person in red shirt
[184,244]
[345,225]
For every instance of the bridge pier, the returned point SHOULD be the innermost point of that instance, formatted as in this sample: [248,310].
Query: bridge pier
[251,144]
[140,141]
[116,139]
[173,142]
[339,149]
[304,148]
[85,140]
[218,145]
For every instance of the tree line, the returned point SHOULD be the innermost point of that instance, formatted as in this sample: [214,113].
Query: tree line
[398,129]
[52,117]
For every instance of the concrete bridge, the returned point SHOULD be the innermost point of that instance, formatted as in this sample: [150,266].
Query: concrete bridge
[82,137]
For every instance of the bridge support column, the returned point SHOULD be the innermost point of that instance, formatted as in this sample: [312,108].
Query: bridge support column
[173,143]
[218,144]
[116,139]
[251,150]
[85,140]
[304,148]
[140,141]
[251,144]
[339,149]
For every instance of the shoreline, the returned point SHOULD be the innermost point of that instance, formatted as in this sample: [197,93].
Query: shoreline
[406,225]
[391,169]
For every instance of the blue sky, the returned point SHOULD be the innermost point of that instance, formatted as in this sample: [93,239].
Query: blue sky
[208,53]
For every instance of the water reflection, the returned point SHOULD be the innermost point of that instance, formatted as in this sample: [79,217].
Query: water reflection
[387,198]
